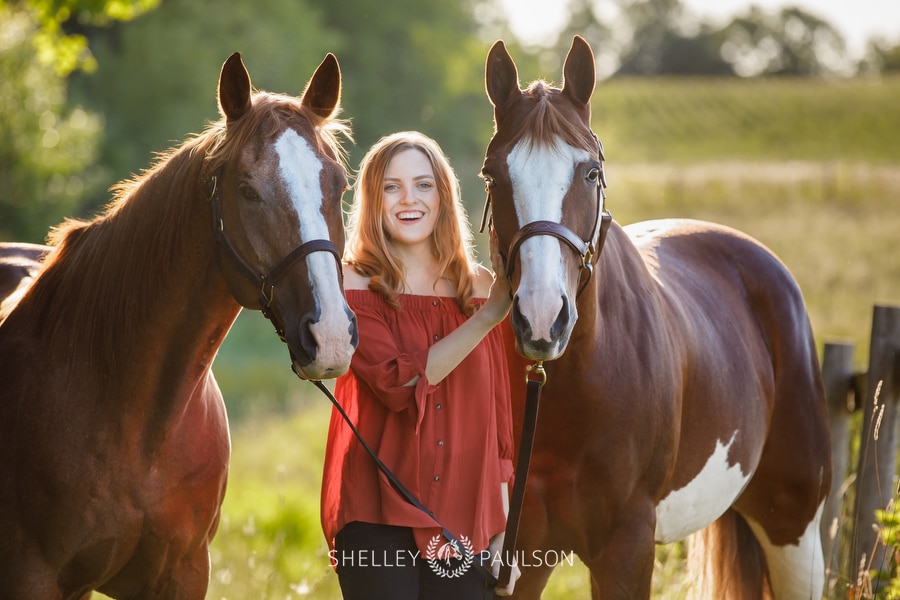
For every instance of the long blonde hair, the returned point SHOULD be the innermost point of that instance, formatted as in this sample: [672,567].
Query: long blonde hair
[369,250]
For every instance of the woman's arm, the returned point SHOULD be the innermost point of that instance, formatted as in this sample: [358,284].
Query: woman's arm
[446,354]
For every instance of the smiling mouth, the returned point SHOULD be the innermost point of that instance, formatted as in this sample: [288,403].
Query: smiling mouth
[410,215]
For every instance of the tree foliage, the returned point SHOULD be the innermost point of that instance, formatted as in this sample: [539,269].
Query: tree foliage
[46,147]
[137,86]
[58,40]
[406,65]
[790,41]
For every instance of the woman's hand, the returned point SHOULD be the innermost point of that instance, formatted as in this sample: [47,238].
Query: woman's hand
[497,560]
[500,297]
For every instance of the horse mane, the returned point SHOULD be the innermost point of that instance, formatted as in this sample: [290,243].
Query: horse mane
[102,281]
[545,124]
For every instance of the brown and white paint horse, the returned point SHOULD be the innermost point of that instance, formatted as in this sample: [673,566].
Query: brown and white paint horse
[683,391]
[114,442]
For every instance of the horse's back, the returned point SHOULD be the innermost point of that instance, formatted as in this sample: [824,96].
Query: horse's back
[752,343]
[19,264]
[718,274]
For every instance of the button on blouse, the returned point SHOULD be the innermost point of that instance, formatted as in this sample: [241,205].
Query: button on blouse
[437,439]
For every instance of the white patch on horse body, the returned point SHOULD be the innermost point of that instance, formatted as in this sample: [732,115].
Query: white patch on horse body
[300,169]
[541,177]
[796,571]
[703,500]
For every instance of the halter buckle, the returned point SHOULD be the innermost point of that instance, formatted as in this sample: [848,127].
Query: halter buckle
[538,369]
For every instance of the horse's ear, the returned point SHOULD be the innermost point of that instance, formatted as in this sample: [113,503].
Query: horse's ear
[579,73]
[323,92]
[501,80]
[234,88]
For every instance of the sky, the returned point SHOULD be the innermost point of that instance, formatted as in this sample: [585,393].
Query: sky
[857,20]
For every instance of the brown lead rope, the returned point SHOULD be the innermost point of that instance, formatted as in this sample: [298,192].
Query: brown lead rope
[404,491]
[532,401]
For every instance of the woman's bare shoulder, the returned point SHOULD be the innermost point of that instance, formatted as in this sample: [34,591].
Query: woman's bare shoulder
[353,280]
[483,280]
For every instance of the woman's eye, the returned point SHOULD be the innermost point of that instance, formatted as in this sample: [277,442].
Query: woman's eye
[425,186]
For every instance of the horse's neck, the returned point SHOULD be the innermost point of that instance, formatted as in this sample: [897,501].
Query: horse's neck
[158,309]
[621,291]
[189,308]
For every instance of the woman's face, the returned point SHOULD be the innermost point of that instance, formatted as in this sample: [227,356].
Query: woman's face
[411,199]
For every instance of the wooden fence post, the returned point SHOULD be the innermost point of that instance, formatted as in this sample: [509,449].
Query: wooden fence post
[875,483]
[837,376]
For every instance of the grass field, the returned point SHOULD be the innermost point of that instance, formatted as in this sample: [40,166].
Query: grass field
[812,169]
[834,225]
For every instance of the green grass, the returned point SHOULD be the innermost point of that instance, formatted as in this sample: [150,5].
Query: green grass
[690,120]
[270,544]
[834,225]
[810,168]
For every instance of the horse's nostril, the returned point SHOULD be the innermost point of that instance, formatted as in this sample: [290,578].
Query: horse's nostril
[517,319]
[562,320]
[306,341]
[354,328]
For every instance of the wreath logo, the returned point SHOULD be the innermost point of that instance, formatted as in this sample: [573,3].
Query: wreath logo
[447,559]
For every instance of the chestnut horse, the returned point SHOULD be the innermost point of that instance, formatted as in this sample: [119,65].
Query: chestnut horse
[114,443]
[684,389]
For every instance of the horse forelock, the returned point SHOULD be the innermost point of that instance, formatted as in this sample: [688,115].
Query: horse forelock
[550,119]
[270,114]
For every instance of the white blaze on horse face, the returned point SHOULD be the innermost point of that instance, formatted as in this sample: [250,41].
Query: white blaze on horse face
[300,168]
[541,176]
[703,500]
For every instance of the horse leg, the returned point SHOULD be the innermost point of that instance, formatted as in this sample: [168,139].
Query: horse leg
[533,535]
[783,502]
[796,571]
[531,584]
[621,563]
[188,579]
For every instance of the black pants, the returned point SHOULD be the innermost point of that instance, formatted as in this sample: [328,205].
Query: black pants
[383,561]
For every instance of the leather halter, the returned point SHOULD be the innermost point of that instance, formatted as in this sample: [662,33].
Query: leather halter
[265,283]
[588,250]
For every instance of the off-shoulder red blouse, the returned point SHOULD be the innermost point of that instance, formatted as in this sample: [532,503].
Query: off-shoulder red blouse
[451,444]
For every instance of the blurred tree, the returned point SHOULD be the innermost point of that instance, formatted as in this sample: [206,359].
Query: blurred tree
[661,44]
[58,39]
[672,53]
[157,76]
[787,42]
[596,28]
[46,148]
[882,57]
[406,64]
[412,65]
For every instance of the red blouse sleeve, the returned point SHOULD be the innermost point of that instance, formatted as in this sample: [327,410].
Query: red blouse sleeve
[382,366]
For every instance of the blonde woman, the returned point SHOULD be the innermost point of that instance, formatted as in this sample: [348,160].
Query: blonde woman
[427,387]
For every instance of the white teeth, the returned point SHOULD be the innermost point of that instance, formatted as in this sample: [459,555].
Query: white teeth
[410,216]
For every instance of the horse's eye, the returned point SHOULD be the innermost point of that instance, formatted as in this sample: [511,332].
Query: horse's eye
[593,175]
[488,181]
[248,193]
